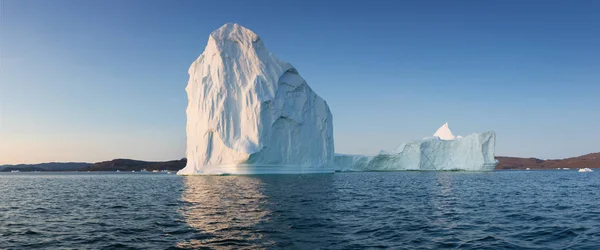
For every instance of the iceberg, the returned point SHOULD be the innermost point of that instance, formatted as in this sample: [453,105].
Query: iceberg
[250,113]
[442,152]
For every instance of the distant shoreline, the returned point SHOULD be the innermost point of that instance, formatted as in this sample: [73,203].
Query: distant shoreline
[127,165]
[515,163]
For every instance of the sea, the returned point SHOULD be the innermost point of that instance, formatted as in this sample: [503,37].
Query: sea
[361,210]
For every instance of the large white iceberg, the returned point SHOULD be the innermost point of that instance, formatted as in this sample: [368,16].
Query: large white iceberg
[251,113]
[444,151]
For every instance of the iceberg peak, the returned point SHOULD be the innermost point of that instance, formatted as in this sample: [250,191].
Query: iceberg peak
[444,133]
[235,33]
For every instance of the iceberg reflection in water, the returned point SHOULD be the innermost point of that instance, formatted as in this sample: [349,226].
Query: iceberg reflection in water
[268,211]
[224,210]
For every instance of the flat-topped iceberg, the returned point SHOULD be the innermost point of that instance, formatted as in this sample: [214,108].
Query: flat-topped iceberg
[444,151]
[251,113]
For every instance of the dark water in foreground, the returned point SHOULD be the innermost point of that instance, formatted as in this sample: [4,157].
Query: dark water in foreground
[519,210]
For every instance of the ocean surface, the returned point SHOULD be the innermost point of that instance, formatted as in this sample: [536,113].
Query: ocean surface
[400,210]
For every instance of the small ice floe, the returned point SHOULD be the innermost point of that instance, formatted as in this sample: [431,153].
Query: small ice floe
[528,169]
[583,170]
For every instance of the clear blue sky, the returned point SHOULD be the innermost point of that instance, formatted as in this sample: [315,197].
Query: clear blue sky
[96,80]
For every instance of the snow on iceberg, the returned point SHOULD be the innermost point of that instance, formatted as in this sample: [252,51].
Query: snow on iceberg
[441,152]
[251,113]
[444,133]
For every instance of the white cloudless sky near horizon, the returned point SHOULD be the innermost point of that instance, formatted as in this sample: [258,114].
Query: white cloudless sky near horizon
[90,81]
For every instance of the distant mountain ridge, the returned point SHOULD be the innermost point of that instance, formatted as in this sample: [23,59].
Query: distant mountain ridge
[585,161]
[113,165]
[129,165]
[51,166]
[505,163]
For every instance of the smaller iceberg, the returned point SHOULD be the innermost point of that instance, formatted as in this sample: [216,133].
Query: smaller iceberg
[442,152]
[584,170]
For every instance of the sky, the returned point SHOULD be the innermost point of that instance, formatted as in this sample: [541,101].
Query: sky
[88,81]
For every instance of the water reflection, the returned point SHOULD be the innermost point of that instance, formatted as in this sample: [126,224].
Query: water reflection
[224,209]
[278,211]
[444,201]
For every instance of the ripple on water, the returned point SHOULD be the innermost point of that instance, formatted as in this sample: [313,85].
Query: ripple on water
[402,210]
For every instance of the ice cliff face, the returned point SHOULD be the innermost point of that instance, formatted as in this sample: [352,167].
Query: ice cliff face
[442,152]
[249,112]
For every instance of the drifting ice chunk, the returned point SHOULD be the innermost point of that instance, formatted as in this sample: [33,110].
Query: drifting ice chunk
[471,153]
[248,112]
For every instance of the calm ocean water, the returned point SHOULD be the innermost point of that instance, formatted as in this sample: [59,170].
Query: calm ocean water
[403,210]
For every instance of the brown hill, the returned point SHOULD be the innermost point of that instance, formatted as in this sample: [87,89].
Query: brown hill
[128,165]
[585,161]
